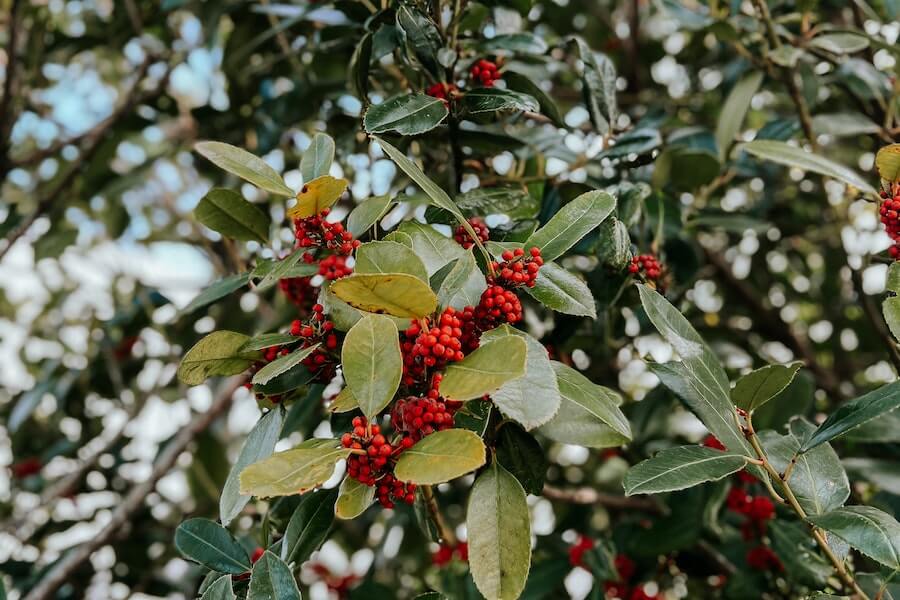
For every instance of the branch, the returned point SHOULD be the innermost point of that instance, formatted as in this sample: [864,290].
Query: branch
[437,517]
[63,570]
[588,495]
[8,114]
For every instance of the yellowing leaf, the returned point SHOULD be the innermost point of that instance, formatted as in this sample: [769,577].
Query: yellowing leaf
[318,194]
[440,457]
[396,294]
[888,162]
[293,471]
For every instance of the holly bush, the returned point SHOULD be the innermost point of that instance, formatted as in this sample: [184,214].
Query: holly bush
[513,299]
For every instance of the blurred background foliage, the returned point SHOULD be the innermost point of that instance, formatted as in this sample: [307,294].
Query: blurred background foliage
[102,102]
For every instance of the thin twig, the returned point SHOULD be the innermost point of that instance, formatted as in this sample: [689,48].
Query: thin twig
[434,511]
[8,114]
[588,495]
[63,570]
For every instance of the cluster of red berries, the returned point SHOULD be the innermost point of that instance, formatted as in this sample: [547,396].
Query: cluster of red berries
[299,290]
[582,545]
[485,72]
[432,347]
[391,489]
[444,91]
[334,266]
[517,269]
[124,348]
[318,330]
[269,354]
[647,265]
[497,305]
[762,558]
[372,462]
[418,417]
[316,232]
[464,238]
[890,217]
[445,553]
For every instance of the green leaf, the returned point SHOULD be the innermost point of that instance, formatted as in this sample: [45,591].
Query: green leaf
[220,589]
[486,369]
[522,455]
[372,363]
[423,40]
[389,257]
[818,478]
[887,161]
[354,498]
[521,83]
[598,77]
[571,223]
[680,468]
[343,402]
[259,445]
[367,213]
[463,285]
[840,43]
[410,114]
[614,245]
[282,364]
[883,473]
[791,156]
[309,526]
[698,379]
[499,531]
[758,387]
[514,202]
[854,413]
[588,415]
[246,166]
[488,100]
[796,549]
[685,168]
[396,294]
[217,354]
[226,212]
[211,545]
[271,273]
[532,399]
[316,160]
[562,291]
[734,110]
[272,580]
[519,43]
[440,457]
[871,531]
[360,64]
[218,290]
[432,247]
[844,124]
[268,340]
[893,277]
[293,471]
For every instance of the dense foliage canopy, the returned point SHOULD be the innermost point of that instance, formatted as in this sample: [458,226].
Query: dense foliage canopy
[450,299]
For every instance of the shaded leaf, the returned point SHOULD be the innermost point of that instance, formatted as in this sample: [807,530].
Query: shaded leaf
[317,158]
[854,413]
[791,156]
[871,531]
[282,364]
[522,455]
[562,291]
[571,223]
[758,387]
[309,526]
[260,443]
[211,545]
[410,114]
[734,110]
[272,580]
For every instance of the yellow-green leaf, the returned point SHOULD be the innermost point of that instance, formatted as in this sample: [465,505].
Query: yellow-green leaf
[888,162]
[396,294]
[372,363]
[440,457]
[486,369]
[217,354]
[245,165]
[317,195]
[354,499]
[293,471]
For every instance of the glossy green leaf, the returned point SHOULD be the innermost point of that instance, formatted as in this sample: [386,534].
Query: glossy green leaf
[614,245]
[396,294]
[758,387]
[488,100]
[734,110]
[309,526]
[360,64]
[514,202]
[245,165]
[218,290]
[573,221]
[840,43]
[463,284]
[372,363]
[871,531]
[523,84]
[434,248]
[598,77]
[588,415]
[410,114]
[260,444]
[791,156]
[389,257]
[486,369]
[532,399]
[290,266]
[292,471]
[282,365]
[854,413]
[521,43]
[271,579]
[268,340]
[440,457]
[317,158]
[354,498]
[211,545]
[562,291]
[499,532]
[367,213]
[226,212]
[522,456]
[680,468]
[423,40]
[220,589]
[217,354]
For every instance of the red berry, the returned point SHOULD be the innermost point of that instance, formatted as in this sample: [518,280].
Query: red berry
[464,239]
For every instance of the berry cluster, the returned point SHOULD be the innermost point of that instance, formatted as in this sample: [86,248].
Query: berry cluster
[316,232]
[485,72]
[517,269]
[648,266]
[433,347]
[318,330]
[418,417]
[334,266]
[444,91]
[497,305]
[464,239]
[890,217]
[445,553]
[26,467]
[762,558]
[390,489]
[299,290]
[582,545]
[372,462]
